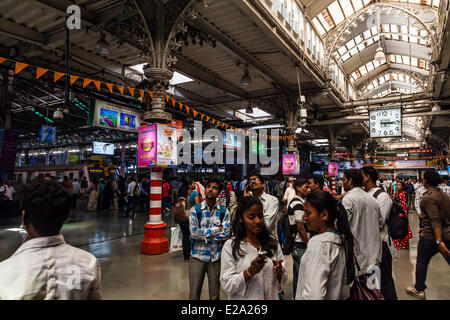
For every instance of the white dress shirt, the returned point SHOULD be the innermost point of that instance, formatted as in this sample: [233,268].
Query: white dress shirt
[385,203]
[271,212]
[76,187]
[322,271]
[289,194]
[262,286]
[365,220]
[47,268]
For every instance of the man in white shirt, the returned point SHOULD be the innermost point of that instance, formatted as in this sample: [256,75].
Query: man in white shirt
[365,221]
[270,203]
[289,194]
[76,192]
[8,190]
[385,203]
[131,199]
[45,267]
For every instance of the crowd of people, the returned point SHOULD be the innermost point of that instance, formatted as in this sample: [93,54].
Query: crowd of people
[231,233]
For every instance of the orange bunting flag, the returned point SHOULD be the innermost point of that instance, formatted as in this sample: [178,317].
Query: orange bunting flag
[131,91]
[218,123]
[180,105]
[86,82]
[207,118]
[110,87]
[57,76]
[120,89]
[202,116]
[2,60]
[40,72]
[195,113]
[73,79]
[20,66]
[97,84]
[173,102]
[167,98]
[142,92]
[187,108]
[151,94]
[213,120]
[223,124]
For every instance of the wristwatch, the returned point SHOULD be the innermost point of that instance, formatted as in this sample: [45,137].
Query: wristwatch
[438,242]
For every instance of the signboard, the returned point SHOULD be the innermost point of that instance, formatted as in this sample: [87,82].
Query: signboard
[332,168]
[167,145]
[147,146]
[47,133]
[108,115]
[98,158]
[288,163]
[179,125]
[403,164]
[103,148]
[73,158]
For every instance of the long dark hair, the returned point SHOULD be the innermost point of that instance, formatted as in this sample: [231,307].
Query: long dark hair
[337,217]
[226,190]
[266,240]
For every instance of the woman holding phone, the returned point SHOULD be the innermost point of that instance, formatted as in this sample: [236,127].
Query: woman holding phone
[252,265]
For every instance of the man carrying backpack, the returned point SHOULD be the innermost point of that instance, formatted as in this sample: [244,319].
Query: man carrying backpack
[297,232]
[370,176]
[133,194]
[209,223]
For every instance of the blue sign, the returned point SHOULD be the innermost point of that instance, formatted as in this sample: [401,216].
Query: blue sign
[47,133]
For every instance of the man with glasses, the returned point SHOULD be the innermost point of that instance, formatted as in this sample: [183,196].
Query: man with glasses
[255,188]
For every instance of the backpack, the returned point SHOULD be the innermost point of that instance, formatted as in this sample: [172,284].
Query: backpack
[397,221]
[180,214]
[136,190]
[287,229]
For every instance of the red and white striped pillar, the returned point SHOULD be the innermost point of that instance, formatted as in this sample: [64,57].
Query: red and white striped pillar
[333,185]
[155,241]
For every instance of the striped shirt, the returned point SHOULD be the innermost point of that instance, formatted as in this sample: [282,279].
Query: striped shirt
[206,236]
[420,192]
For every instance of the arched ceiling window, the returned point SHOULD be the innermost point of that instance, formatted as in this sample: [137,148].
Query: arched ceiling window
[364,69]
[391,76]
[370,36]
[336,12]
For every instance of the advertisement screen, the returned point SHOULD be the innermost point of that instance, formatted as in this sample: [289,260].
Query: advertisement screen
[332,168]
[167,146]
[127,121]
[288,163]
[103,148]
[147,146]
[108,118]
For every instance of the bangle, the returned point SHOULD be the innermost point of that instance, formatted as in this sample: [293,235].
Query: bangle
[248,273]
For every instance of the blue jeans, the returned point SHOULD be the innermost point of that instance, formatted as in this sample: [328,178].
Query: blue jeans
[297,254]
[425,251]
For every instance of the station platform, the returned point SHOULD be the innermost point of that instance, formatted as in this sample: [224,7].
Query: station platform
[128,275]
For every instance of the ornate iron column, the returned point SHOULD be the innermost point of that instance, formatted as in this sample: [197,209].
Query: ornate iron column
[162,20]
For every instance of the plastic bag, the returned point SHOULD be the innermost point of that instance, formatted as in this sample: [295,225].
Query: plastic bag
[176,239]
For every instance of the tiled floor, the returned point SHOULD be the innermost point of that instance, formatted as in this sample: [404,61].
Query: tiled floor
[126,274]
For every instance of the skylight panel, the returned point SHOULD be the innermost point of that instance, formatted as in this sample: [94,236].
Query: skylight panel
[407,78]
[394,28]
[374,30]
[370,67]
[404,38]
[354,76]
[388,36]
[366,2]
[422,64]
[406,60]
[395,76]
[370,86]
[376,63]
[414,1]
[345,57]
[436,3]
[414,39]
[385,27]
[363,70]
[383,61]
[387,77]
[423,42]
[353,51]
[404,29]
[336,12]
[382,81]
[369,42]
[324,22]
[401,77]
[398,58]
[395,37]
[413,31]
[350,44]
[357,4]
[342,50]
[391,58]
[358,39]
[318,26]
[414,62]
[347,7]
[427,2]
[361,46]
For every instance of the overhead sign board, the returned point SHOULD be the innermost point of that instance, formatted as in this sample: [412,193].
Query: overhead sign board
[108,115]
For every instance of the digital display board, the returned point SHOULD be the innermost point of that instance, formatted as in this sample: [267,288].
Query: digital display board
[103,148]
[112,116]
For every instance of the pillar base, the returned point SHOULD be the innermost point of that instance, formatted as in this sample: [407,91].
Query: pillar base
[155,241]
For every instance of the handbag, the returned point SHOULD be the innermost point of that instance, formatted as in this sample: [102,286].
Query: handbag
[176,239]
[360,291]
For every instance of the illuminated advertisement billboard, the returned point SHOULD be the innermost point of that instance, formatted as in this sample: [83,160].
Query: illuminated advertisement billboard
[108,115]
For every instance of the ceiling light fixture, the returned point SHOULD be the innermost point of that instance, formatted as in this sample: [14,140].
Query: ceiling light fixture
[436,107]
[249,109]
[379,55]
[246,80]
[101,46]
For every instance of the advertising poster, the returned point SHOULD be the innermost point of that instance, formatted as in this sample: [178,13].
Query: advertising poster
[108,118]
[254,146]
[297,162]
[73,158]
[127,121]
[167,145]
[332,168]
[231,140]
[147,146]
[262,147]
[179,125]
[108,115]
[103,148]
[288,163]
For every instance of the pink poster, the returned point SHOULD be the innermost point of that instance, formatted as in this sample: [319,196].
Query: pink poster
[147,146]
[288,163]
[332,168]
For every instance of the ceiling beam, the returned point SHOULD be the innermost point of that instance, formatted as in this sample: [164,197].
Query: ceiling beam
[230,44]
[20,32]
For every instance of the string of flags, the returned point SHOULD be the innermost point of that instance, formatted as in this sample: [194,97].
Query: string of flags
[398,158]
[20,66]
